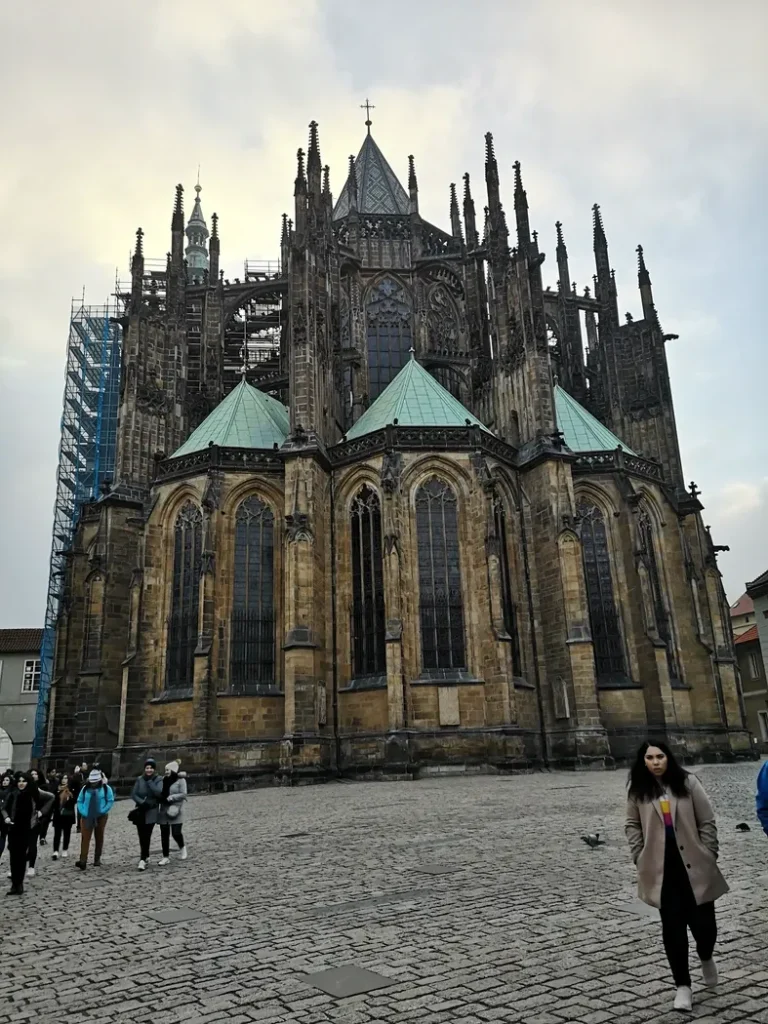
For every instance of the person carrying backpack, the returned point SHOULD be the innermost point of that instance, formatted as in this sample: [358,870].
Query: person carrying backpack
[94,804]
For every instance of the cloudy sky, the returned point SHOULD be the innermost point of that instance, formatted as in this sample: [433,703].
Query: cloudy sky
[654,110]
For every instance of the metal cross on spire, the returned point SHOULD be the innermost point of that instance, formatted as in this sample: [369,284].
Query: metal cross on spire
[367,107]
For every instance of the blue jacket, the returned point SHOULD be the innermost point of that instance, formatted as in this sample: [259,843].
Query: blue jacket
[762,797]
[106,799]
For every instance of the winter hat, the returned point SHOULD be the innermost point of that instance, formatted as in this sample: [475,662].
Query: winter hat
[173,767]
[95,776]
[152,761]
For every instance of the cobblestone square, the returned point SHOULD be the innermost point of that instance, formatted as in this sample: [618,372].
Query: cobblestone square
[472,895]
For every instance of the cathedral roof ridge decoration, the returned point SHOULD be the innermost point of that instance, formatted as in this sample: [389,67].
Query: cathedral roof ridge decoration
[581,430]
[378,189]
[414,399]
[246,418]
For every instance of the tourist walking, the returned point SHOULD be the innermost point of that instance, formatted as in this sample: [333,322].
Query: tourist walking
[147,792]
[22,811]
[63,818]
[7,784]
[76,784]
[761,800]
[49,784]
[44,802]
[673,838]
[93,804]
[170,815]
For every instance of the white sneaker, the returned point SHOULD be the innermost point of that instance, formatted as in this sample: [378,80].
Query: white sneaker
[142,865]
[54,856]
[163,861]
[684,999]
[30,872]
[183,853]
[65,854]
[9,875]
[709,972]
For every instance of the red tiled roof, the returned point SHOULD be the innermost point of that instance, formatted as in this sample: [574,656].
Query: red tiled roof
[750,634]
[20,641]
[744,606]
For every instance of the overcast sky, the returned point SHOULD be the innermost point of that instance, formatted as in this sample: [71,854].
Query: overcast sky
[654,110]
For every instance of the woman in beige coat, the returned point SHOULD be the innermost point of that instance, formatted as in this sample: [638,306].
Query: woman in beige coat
[673,838]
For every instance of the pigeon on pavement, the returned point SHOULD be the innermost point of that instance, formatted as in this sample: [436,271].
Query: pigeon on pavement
[743,827]
[593,840]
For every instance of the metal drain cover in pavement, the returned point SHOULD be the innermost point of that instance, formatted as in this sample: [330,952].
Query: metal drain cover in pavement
[175,916]
[638,907]
[342,982]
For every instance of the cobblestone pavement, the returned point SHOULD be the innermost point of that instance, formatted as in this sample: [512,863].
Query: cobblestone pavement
[472,895]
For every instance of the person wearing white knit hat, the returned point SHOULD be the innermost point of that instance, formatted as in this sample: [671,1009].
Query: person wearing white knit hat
[170,815]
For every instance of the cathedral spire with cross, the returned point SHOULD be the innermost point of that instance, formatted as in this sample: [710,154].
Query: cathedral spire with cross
[379,190]
[367,107]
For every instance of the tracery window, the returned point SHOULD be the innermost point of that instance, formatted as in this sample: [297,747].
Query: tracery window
[94,618]
[450,378]
[252,650]
[440,601]
[663,628]
[388,319]
[368,650]
[610,664]
[508,605]
[185,597]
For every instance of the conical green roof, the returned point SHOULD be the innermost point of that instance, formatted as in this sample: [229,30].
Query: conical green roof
[247,418]
[583,433]
[415,399]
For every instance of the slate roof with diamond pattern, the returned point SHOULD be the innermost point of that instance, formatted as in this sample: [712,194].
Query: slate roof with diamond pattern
[378,190]
[583,433]
[246,418]
[415,399]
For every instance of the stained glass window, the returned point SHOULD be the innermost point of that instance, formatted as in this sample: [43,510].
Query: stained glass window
[252,652]
[663,628]
[508,605]
[388,318]
[185,597]
[440,602]
[368,652]
[94,617]
[610,664]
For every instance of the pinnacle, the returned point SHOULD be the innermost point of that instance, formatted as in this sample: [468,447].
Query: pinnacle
[214,225]
[490,156]
[467,191]
[559,229]
[412,182]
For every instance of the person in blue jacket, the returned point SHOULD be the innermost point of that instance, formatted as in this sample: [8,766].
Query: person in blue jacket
[762,797]
[94,802]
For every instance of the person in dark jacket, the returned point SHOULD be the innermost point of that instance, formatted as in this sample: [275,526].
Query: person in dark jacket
[7,785]
[63,818]
[22,812]
[50,784]
[94,804]
[761,801]
[147,793]
[46,808]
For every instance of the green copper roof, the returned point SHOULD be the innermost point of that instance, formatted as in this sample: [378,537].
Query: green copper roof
[247,418]
[583,433]
[415,399]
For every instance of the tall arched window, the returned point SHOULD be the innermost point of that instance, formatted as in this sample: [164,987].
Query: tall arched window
[94,619]
[388,319]
[663,628]
[368,652]
[185,597]
[610,664]
[440,602]
[508,605]
[252,654]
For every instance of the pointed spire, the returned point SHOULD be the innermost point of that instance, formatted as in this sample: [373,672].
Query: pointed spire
[455,216]
[413,185]
[326,180]
[284,232]
[352,184]
[214,248]
[300,194]
[197,238]
[646,292]
[498,238]
[214,225]
[177,221]
[470,226]
[300,185]
[643,277]
[314,166]
[562,261]
[521,211]
[605,289]
[139,250]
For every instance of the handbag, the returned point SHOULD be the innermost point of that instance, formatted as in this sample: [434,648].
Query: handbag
[172,811]
[136,816]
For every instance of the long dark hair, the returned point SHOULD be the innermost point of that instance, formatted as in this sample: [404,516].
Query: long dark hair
[643,785]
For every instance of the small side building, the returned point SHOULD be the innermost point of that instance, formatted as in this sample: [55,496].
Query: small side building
[19,687]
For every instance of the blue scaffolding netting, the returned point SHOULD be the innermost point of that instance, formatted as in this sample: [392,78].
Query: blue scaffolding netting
[86,460]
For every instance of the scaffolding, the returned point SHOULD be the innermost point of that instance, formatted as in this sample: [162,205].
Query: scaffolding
[86,459]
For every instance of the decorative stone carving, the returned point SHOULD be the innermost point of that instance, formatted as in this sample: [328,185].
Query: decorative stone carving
[391,471]
[298,527]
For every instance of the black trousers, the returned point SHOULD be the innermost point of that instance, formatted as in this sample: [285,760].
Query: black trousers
[3,836]
[145,838]
[32,846]
[18,845]
[679,912]
[165,837]
[62,829]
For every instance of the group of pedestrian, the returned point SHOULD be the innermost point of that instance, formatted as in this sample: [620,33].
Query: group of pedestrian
[30,802]
[670,825]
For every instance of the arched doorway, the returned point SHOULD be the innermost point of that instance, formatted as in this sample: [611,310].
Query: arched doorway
[6,750]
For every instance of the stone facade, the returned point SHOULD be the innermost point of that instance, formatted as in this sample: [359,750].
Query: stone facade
[538,624]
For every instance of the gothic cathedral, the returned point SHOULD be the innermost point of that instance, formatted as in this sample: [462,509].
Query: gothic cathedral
[388,505]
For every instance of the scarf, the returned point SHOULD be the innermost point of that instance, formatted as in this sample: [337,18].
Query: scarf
[168,781]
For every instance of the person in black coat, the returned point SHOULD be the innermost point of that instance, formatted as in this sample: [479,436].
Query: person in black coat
[22,813]
[7,785]
[63,817]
